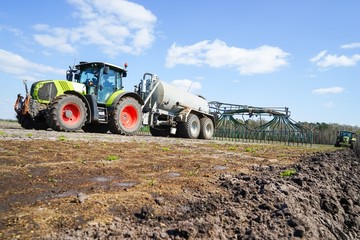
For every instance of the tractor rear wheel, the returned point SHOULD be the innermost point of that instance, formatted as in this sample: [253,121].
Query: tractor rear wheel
[206,128]
[190,128]
[126,117]
[67,113]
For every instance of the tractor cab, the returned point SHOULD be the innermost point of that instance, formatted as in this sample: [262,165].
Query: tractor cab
[100,79]
[345,139]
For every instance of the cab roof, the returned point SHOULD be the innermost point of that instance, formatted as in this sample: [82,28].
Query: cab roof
[96,64]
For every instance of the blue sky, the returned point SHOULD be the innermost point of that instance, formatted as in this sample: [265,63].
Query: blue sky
[304,55]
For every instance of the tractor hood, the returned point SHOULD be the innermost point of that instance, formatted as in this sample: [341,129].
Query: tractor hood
[44,91]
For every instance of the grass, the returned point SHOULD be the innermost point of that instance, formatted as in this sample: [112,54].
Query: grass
[232,148]
[250,150]
[152,182]
[288,172]
[62,138]
[112,158]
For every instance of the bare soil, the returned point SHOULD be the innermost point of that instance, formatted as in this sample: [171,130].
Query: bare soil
[57,185]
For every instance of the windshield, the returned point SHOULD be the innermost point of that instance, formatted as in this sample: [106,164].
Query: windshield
[109,83]
[346,134]
[89,76]
[100,82]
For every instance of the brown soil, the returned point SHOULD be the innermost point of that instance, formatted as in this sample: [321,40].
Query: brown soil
[56,185]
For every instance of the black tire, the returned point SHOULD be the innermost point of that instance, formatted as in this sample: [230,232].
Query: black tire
[26,121]
[40,124]
[206,128]
[67,113]
[189,129]
[160,131]
[96,128]
[126,117]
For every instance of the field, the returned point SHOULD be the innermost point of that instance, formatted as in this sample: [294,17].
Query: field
[57,185]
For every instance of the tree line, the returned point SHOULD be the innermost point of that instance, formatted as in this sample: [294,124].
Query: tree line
[325,133]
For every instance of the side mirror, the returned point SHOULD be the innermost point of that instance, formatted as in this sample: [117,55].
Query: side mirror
[69,75]
[106,70]
[124,74]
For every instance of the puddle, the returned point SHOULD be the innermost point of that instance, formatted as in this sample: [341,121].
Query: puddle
[66,194]
[102,179]
[125,184]
[218,167]
[173,174]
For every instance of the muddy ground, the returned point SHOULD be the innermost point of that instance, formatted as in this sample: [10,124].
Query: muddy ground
[56,185]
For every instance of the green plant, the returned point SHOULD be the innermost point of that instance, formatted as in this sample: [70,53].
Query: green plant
[51,179]
[152,182]
[250,150]
[288,172]
[29,135]
[62,138]
[112,158]
[232,148]
[193,172]
[165,149]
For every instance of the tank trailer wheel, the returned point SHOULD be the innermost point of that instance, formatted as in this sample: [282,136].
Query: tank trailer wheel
[206,128]
[127,117]
[67,113]
[191,128]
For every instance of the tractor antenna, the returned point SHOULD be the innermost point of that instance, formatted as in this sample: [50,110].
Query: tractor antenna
[26,87]
[190,86]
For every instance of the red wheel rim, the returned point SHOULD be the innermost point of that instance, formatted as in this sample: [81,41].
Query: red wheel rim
[70,113]
[129,117]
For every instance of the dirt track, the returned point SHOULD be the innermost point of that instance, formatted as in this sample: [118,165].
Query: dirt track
[101,186]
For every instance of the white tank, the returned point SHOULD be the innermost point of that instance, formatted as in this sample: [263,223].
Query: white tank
[172,99]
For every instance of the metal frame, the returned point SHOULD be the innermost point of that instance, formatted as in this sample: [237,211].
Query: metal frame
[281,128]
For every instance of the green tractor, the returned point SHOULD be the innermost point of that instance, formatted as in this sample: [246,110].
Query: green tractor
[92,98]
[345,139]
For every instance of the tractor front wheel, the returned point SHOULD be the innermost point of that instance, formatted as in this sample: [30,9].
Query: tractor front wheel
[126,117]
[67,113]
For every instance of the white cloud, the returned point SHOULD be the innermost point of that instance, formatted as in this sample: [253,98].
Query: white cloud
[325,60]
[187,85]
[14,31]
[351,45]
[329,104]
[330,90]
[12,63]
[113,26]
[264,59]
[58,39]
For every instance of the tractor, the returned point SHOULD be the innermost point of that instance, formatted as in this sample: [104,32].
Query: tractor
[91,98]
[345,139]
